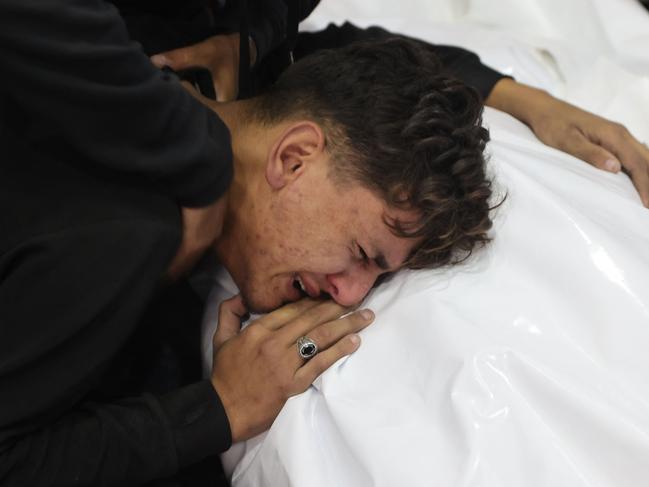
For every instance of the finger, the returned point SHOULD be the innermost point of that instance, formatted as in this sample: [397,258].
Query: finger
[329,333]
[231,313]
[634,157]
[645,156]
[640,178]
[305,375]
[283,315]
[302,324]
[580,146]
[183,58]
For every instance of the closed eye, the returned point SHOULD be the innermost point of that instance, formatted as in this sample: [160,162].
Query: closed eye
[363,255]
[379,260]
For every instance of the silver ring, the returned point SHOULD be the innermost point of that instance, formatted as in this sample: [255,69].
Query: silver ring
[306,347]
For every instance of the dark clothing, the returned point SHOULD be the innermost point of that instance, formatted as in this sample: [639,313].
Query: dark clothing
[162,25]
[166,24]
[79,263]
[99,149]
[456,62]
[63,60]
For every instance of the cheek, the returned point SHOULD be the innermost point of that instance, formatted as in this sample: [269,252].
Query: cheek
[314,253]
[307,235]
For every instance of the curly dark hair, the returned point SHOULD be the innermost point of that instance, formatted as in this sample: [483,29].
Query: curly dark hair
[399,126]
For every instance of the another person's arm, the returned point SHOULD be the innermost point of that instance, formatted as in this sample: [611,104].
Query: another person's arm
[596,140]
[268,23]
[71,66]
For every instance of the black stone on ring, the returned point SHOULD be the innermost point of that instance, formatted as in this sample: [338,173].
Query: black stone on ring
[306,347]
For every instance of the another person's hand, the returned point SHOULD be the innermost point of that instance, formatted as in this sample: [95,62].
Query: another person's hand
[604,144]
[201,228]
[256,370]
[219,54]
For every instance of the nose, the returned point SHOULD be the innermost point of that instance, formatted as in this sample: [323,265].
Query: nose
[350,287]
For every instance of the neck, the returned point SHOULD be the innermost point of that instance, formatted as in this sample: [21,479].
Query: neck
[249,148]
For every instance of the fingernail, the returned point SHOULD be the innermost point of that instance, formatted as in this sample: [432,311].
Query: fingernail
[367,314]
[355,339]
[160,60]
[612,165]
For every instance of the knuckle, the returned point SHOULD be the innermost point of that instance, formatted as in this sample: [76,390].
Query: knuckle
[300,322]
[226,305]
[324,334]
[254,332]
[320,364]
[311,315]
[565,141]
[619,130]
[572,130]
[571,135]
[326,308]
[345,346]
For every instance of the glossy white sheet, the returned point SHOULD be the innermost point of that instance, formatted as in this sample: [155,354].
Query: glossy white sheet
[525,367]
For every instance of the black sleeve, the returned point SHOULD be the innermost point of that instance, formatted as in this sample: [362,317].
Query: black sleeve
[68,300]
[460,63]
[467,66]
[268,21]
[71,66]
[157,33]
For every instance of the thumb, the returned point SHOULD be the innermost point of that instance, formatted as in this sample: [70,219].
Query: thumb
[231,313]
[182,58]
[593,154]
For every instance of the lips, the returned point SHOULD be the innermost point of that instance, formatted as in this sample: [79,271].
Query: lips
[305,287]
[299,284]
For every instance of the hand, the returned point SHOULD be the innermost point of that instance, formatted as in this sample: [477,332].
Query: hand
[255,371]
[604,144]
[219,54]
[201,228]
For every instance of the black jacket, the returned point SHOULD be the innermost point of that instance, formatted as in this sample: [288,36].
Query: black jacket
[99,149]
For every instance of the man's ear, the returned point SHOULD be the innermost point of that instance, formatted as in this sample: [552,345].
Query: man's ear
[299,146]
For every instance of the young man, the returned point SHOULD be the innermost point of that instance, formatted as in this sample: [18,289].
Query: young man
[338,178]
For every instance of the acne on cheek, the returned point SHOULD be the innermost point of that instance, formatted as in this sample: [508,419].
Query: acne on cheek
[298,252]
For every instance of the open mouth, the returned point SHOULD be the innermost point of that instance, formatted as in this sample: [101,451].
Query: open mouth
[299,285]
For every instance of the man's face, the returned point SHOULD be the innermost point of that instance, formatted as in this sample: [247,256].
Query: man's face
[316,237]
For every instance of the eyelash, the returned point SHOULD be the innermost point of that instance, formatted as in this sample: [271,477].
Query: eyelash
[364,256]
